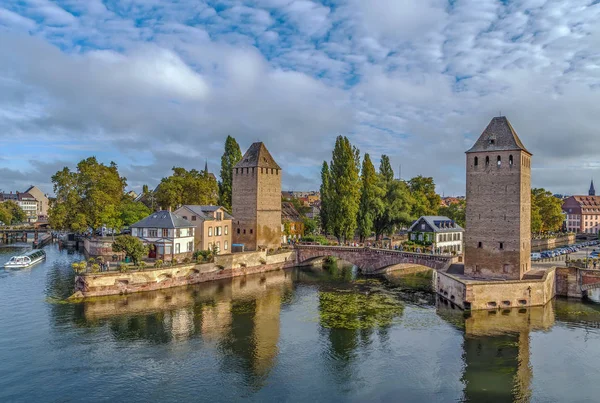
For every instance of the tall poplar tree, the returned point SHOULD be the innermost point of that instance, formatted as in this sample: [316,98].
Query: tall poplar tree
[325,196]
[230,158]
[371,204]
[344,189]
[385,169]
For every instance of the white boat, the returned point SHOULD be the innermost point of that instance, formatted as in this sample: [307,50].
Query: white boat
[26,260]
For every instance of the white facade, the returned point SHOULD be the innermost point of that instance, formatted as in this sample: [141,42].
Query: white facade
[168,241]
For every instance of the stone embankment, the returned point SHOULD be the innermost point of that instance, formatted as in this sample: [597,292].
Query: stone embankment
[539,245]
[224,266]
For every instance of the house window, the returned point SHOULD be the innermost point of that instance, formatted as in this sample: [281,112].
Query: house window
[217,231]
[423,226]
[209,231]
[190,246]
[177,248]
[165,232]
[184,217]
[219,216]
[210,243]
[501,245]
[476,161]
[225,245]
[226,229]
[479,245]
[193,218]
[218,245]
[153,233]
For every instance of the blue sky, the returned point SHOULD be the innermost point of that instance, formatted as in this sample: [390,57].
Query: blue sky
[155,84]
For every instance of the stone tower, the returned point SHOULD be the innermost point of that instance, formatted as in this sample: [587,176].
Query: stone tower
[498,215]
[256,200]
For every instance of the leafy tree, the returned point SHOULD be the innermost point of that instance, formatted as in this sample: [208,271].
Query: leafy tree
[427,201]
[546,211]
[325,197]
[397,207]
[385,169]
[12,213]
[310,226]
[344,191]
[455,211]
[88,197]
[145,189]
[187,187]
[230,158]
[132,246]
[131,211]
[371,203]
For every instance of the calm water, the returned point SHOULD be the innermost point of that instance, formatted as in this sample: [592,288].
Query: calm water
[303,336]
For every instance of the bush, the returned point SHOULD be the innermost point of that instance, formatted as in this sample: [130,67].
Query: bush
[174,262]
[263,261]
[91,260]
[158,264]
[202,255]
[95,268]
[123,268]
[187,260]
[79,267]
[141,265]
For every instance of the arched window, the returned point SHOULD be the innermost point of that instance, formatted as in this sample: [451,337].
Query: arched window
[476,161]
[487,161]
[510,160]
[499,161]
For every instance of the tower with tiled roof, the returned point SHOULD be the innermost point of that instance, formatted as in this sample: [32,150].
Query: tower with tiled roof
[256,200]
[498,214]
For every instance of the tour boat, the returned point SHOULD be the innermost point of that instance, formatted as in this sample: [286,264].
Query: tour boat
[26,260]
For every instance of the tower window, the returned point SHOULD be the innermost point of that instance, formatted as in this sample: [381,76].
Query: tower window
[476,161]
[238,231]
[487,161]
[499,161]
[501,245]
[506,268]
[479,245]
[510,160]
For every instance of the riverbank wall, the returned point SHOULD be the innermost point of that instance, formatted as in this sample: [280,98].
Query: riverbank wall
[474,294]
[225,266]
[100,247]
[539,245]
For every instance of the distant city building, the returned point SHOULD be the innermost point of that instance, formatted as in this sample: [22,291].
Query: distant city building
[442,233]
[498,213]
[132,194]
[306,198]
[25,201]
[168,235]
[315,211]
[582,213]
[43,202]
[447,201]
[213,226]
[292,224]
[256,200]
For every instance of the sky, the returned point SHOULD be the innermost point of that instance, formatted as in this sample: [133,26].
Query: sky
[152,84]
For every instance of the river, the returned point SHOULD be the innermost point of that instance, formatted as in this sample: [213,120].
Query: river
[310,335]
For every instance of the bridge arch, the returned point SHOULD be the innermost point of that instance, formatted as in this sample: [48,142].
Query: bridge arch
[371,260]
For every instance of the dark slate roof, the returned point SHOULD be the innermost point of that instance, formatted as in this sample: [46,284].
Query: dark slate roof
[163,219]
[439,223]
[203,211]
[592,191]
[257,156]
[504,137]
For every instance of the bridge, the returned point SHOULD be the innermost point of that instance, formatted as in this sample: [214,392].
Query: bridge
[372,260]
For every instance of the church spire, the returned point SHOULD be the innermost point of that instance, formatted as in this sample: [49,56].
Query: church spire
[206,166]
[592,190]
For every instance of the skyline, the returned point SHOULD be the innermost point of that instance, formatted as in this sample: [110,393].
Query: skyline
[156,85]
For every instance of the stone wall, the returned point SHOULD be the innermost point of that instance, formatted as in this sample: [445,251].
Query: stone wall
[539,245]
[96,247]
[476,295]
[112,283]
[567,282]
[268,219]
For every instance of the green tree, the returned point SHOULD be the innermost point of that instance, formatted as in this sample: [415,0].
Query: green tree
[88,197]
[310,226]
[397,207]
[546,212]
[187,187]
[12,213]
[132,246]
[145,189]
[455,211]
[371,203]
[325,197]
[131,211]
[230,158]
[427,201]
[385,169]
[344,189]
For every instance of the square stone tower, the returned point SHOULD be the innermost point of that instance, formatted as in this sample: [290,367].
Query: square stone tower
[256,200]
[498,215]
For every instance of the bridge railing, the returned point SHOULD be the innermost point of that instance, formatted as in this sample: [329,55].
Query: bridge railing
[426,256]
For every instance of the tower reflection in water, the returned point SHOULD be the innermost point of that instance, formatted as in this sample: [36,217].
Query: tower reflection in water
[239,316]
[496,350]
